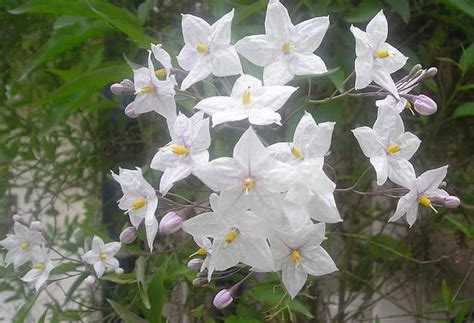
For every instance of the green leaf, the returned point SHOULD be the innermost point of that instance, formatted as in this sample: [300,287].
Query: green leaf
[22,313]
[365,11]
[449,60]
[127,278]
[466,6]
[402,7]
[447,295]
[43,316]
[467,58]
[461,315]
[464,110]
[383,246]
[125,314]
[144,9]
[64,268]
[140,270]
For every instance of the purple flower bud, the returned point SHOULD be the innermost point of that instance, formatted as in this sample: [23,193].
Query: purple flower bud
[90,280]
[452,202]
[170,223]
[117,89]
[223,299]
[424,105]
[36,226]
[431,72]
[118,271]
[195,264]
[128,86]
[198,282]
[130,111]
[128,235]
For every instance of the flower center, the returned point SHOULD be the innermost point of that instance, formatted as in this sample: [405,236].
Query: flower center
[248,184]
[103,256]
[231,235]
[285,48]
[202,48]
[138,203]
[149,88]
[179,149]
[382,53]
[202,252]
[39,266]
[296,152]
[160,73]
[246,97]
[23,245]
[393,148]
[295,255]
[426,202]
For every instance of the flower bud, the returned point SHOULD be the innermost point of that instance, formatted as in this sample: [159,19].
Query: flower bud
[118,271]
[223,299]
[128,235]
[90,280]
[17,218]
[198,282]
[431,72]
[128,86]
[117,89]
[170,223]
[195,264]
[36,226]
[424,105]
[452,202]
[130,111]
[414,70]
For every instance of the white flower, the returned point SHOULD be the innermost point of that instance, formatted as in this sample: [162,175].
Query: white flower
[252,179]
[207,49]
[163,58]
[22,245]
[389,147]
[422,190]
[101,256]
[41,267]
[187,150]
[298,253]
[153,94]
[205,249]
[139,200]
[249,99]
[376,59]
[238,236]
[285,50]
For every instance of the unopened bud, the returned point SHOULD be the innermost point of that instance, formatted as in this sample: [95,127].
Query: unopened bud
[17,218]
[414,70]
[130,111]
[118,271]
[202,274]
[170,223]
[36,226]
[223,299]
[195,264]
[431,72]
[424,105]
[124,87]
[128,235]
[198,282]
[452,202]
[90,280]
[117,89]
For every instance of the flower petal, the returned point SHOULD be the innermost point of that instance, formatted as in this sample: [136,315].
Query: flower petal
[278,24]
[380,164]
[195,30]
[369,142]
[305,64]
[199,72]
[258,49]
[317,262]
[221,30]
[293,277]
[226,62]
[174,174]
[220,174]
[431,179]
[310,33]
[277,73]
[377,29]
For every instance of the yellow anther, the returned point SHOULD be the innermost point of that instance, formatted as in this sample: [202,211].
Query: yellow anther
[246,97]
[382,53]
[202,48]
[138,203]
[285,48]
[393,148]
[179,149]
[295,255]
[408,104]
[39,266]
[103,256]
[160,73]
[201,251]
[231,235]
[149,88]
[296,152]
[426,202]
[248,184]
[23,245]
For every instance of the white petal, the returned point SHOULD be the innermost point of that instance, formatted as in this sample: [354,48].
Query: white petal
[404,204]
[31,275]
[362,42]
[151,228]
[225,255]
[431,179]
[401,172]
[278,24]
[395,61]
[259,50]
[310,33]
[305,64]
[112,263]
[321,141]
[97,245]
[384,79]
[136,216]
[244,83]
[257,253]
[220,174]
[145,102]
[293,277]
[363,70]
[409,144]
[187,57]
[201,139]
[166,106]
[281,151]
[173,174]
[305,130]
[90,257]
[163,159]
[199,72]
[380,164]
[277,73]
[226,62]
[316,261]
[208,224]
[112,248]
[99,268]
[221,31]
[229,115]
[195,30]
[412,214]
[249,151]
[377,29]
[369,142]
[217,104]
[41,280]
[272,97]
[161,55]
[263,117]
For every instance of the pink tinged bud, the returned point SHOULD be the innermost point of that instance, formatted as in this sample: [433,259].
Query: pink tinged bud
[117,89]
[424,105]
[452,202]
[198,282]
[431,72]
[170,223]
[90,280]
[130,111]
[118,271]
[223,299]
[195,264]
[36,226]
[128,235]
[17,218]
[128,86]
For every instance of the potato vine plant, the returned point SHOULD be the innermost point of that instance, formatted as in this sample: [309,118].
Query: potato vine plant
[267,206]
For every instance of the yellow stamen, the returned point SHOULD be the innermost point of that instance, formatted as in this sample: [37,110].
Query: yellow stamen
[160,73]
[248,184]
[138,203]
[23,245]
[409,106]
[39,266]
[103,256]
[202,48]
[382,53]
[149,88]
[246,98]
[231,235]
[296,152]
[285,48]
[179,149]
[393,148]
[295,255]
[202,252]
[426,202]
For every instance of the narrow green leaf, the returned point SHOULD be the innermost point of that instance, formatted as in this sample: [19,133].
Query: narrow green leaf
[467,58]
[449,60]
[140,270]
[464,110]
[383,246]
[460,226]
[402,7]
[447,295]
[125,314]
[25,309]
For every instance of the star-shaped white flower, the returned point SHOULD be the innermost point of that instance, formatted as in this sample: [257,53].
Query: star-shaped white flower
[252,179]
[153,94]
[207,49]
[187,150]
[298,253]
[101,256]
[139,200]
[249,99]
[423,190]
[238,236]
[41,267]
[389,147]
[22,245]
[376,59]
[285,50]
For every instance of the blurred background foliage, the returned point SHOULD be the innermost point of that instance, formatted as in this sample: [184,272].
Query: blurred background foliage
[60,126]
